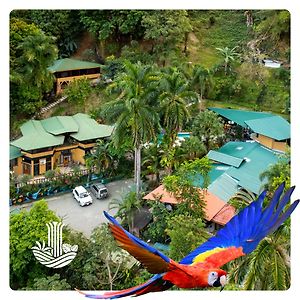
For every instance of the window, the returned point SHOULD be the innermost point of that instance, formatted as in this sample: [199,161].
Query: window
[36,167]
[26,168]
[95,188]
[48,163]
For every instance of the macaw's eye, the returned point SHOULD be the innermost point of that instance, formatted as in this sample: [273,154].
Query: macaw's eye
[213,278]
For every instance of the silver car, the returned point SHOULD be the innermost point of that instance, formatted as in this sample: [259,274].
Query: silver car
[99,190]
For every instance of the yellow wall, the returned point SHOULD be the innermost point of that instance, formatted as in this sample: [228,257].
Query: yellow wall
[78,155]
[18,168]
[264,140]
[55,157]
[281,146]
[270,143]
[42,167]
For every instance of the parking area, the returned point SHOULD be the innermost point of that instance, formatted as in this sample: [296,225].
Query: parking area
[85,219]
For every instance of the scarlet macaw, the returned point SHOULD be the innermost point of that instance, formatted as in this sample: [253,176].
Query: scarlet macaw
[201,268]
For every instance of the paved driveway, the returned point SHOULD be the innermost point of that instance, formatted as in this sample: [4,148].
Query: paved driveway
[86,218]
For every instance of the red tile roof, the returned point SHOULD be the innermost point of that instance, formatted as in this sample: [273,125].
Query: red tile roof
[224,215]
[216,209]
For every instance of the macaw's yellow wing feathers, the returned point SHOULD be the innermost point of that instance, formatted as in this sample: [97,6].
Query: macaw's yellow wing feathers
[218,257]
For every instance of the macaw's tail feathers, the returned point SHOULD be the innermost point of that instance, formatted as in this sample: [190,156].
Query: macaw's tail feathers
[155,284]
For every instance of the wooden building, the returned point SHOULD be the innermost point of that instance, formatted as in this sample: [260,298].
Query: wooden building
[55,142]
[67,69]
[269,130]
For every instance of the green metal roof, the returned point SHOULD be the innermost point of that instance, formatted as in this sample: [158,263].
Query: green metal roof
[256,160]
[225,180]
[240,116]
[36,137]
[67,64]
[49,132]
[60,125]
[14,152]
[224,187]
[274,127]
[224,158]
[90,129]
[238,149]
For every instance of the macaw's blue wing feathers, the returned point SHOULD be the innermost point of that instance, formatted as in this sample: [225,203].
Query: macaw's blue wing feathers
[244,231]
[152,259]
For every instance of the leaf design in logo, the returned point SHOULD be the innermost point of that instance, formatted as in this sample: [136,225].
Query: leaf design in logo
[66,248]
[74,248]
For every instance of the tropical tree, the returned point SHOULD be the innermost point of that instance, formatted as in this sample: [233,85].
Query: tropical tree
[276,174]
[53,283]
[78,91]
[208,127]
[100,158]
[107,266]
[133,112]
[272,254]
[242,198]
[156,230]
[152,156]
[190,149]
[26,228]
[229,56]
[126,208]
[30,78]
[182,184]
[202,80]
[186,233]
[175,95]
[166,29]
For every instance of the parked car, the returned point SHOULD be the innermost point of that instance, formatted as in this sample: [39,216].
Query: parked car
[99,190]
[82,196]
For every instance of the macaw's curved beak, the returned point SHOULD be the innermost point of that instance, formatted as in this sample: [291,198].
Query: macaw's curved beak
[223,281]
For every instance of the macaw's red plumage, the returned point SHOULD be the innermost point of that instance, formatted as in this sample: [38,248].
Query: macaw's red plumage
[201,268]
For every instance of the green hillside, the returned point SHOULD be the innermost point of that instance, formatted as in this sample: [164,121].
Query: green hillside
[188,40]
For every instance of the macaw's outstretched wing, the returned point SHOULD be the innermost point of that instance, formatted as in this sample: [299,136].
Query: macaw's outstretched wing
[244,231]
[152,259]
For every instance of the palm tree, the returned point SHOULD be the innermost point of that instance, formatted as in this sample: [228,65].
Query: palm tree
[242,198]
[133,112]
[152,160]
[229,56]
[202,80]
[38,53]
[208,127]
[126,208]
[268,266]
[175,96]
[100,157]
[276,174]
